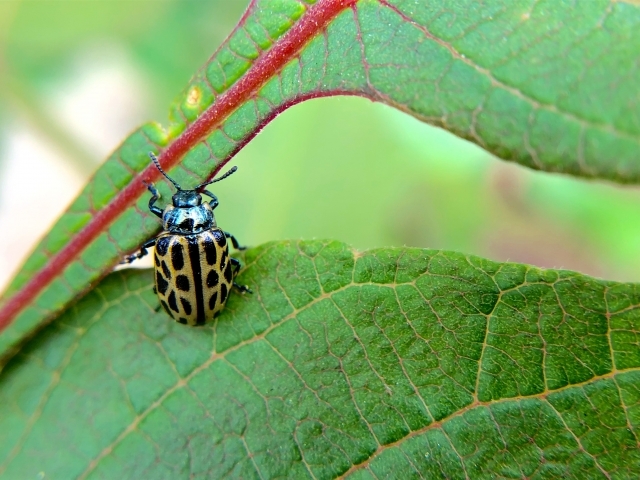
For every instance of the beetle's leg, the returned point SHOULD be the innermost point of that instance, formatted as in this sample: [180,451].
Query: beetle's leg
[235,243]
[235,263]
[214,200]
[242,288]
[141,253]
[156,195]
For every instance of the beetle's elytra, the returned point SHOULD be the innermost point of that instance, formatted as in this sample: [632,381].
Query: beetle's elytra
[194,273]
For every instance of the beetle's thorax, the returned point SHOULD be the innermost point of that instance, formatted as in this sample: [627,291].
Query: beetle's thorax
[186,220]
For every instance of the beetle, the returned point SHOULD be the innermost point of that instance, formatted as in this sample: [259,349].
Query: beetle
[193,270]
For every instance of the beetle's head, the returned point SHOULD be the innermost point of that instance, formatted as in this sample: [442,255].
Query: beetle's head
[186,198]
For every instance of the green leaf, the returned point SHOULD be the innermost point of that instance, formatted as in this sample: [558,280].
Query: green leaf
[545,84]
[391,363]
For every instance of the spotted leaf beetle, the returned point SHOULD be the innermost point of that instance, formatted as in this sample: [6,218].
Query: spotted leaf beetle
[193,270]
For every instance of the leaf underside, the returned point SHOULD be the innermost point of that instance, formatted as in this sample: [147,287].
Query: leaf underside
[391,363]
[540,83]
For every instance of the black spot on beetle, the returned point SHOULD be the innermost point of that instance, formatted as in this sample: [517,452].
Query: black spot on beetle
[166,271]
[161,284]
[182,321]
[187,224]
[220,238]
[182,282]
[227,273]
[210,251]
[177,257]
[186,305]
[173,303]
[223,293]
[213,300]
[157,260]
[162,245]
[212,279]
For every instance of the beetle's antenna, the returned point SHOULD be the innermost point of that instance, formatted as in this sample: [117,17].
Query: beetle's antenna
[155,160]
[232,170]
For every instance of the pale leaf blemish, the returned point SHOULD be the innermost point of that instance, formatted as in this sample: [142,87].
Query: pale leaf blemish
[194,96]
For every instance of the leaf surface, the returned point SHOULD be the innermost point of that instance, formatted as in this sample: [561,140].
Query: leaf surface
[542,84]
[368,365]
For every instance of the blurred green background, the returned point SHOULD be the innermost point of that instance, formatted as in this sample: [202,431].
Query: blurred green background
[77,76]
